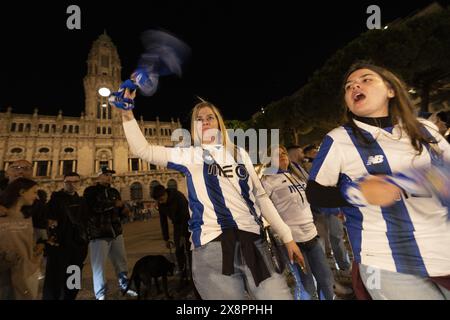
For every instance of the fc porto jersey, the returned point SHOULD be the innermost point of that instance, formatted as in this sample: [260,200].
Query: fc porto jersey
[413,235]
[222,192]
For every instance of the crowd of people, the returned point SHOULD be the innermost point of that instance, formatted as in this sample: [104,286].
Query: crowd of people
[55,234]
[316,198]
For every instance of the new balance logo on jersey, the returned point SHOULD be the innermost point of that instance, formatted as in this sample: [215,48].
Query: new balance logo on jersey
[375,160]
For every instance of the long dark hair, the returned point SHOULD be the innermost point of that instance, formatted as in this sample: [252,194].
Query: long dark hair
[400,107]
[11,194]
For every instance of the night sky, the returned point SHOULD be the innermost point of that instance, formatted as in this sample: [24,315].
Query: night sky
[243,56]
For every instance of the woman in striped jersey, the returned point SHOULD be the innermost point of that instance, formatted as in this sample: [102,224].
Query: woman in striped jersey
[400,241]
[230,260]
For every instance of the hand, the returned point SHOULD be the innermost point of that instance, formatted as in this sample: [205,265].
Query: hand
[294,253]
[52,223]
[169,244]
[129,95]
[127,115]
[341,216]
[52,242]
[38,249]
[379,192]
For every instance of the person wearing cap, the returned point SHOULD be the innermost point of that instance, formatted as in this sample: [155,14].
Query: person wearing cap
[105,209]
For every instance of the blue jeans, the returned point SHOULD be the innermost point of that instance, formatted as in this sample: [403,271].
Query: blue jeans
[388,285]
[99,250]
[213,285]
[317,266]
[330,227]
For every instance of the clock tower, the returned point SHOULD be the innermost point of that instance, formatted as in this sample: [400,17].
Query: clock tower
[103,72]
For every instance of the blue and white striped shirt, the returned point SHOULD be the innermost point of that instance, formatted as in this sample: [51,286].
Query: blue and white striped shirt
[413,235]
[219,197]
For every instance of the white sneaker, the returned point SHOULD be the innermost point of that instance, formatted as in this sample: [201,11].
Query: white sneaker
[101,298]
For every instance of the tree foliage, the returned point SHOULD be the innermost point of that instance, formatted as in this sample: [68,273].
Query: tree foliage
[417,49]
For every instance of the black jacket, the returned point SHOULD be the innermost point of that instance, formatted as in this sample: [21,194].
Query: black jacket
[71,231]
[176,209]
[103,216]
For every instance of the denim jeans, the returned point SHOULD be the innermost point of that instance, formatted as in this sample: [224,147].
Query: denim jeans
[213,285]
[317,266]
[388,285]
[100,249]
[331,229]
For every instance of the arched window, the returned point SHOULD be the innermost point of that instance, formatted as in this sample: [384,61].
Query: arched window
[16,150]
[136,191]
[47,128]
[20,127]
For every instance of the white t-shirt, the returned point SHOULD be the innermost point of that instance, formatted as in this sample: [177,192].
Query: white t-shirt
[413,235]
[288,195]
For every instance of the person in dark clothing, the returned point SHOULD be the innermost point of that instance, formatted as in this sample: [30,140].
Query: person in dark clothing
[174,205]
[68,243]
[105,210]
[3,180]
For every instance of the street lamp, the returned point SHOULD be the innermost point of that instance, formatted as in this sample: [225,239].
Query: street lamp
[104,92]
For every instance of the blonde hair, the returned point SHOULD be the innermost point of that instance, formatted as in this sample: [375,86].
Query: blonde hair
[224,138]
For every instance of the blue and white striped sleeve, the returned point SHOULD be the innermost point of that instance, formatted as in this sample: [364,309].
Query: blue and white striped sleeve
[326,167]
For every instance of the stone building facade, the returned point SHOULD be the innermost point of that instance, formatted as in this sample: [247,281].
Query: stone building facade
[58,144]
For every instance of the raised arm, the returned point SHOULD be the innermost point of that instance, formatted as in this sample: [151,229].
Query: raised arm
[158,155]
